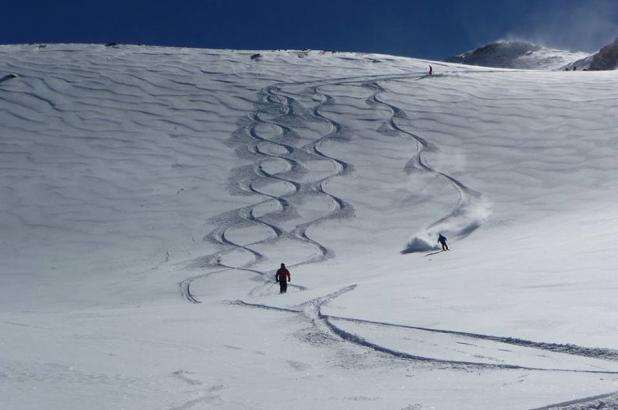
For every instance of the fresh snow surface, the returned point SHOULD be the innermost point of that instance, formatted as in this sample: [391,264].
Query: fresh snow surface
[148,195]
[521,55]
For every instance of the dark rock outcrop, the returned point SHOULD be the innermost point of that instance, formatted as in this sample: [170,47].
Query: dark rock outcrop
[606,58]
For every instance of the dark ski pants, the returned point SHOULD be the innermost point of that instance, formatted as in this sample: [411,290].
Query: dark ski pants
[444,246]
[283,286]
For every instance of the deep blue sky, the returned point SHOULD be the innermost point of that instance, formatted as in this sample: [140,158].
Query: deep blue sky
[431,29]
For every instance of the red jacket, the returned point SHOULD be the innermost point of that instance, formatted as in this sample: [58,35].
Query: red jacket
[283,275]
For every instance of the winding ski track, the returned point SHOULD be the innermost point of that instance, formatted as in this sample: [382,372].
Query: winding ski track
[271,99]
[324,322]
[274,98]
[597,353]
[280,106]
[463,217]
[590,403]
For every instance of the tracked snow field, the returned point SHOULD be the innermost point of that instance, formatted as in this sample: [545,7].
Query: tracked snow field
[149,194]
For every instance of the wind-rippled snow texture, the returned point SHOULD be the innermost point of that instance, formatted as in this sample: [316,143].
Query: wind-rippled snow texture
[129,171]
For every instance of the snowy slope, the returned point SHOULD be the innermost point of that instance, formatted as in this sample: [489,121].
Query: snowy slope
[606,58]
[149,194]
[519,54]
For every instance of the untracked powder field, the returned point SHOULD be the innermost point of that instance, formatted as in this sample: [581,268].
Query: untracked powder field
[148,196]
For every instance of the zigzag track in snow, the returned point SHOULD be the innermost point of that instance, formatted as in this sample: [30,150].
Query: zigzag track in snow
[284,105]
[274,101]
[293,157]
[471,207]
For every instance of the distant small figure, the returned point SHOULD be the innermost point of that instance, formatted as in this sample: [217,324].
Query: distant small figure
[256,56]
[442,241]
[430,70]
[283,277]
[574,68]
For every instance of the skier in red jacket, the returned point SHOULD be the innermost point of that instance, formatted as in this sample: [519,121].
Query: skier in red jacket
[283,277]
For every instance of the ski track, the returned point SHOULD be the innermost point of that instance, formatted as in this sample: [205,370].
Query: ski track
[461,221]
[313,311]
[192,403]
[602,401]
[469,212]
[271,99]
[597,353]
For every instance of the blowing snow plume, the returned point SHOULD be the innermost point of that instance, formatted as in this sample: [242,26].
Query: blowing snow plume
[470,212]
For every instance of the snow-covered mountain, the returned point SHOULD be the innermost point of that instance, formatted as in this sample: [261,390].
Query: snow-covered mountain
[606,58]
[149,194]
[518,54]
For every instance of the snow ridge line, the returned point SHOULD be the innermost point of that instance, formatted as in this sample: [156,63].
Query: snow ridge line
[353,79]
[471,208]
[417,75]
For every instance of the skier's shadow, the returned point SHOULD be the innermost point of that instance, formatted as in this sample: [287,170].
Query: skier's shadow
[434,253]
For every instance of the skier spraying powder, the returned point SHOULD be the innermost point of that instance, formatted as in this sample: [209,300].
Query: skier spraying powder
[283,277]
[442,241]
